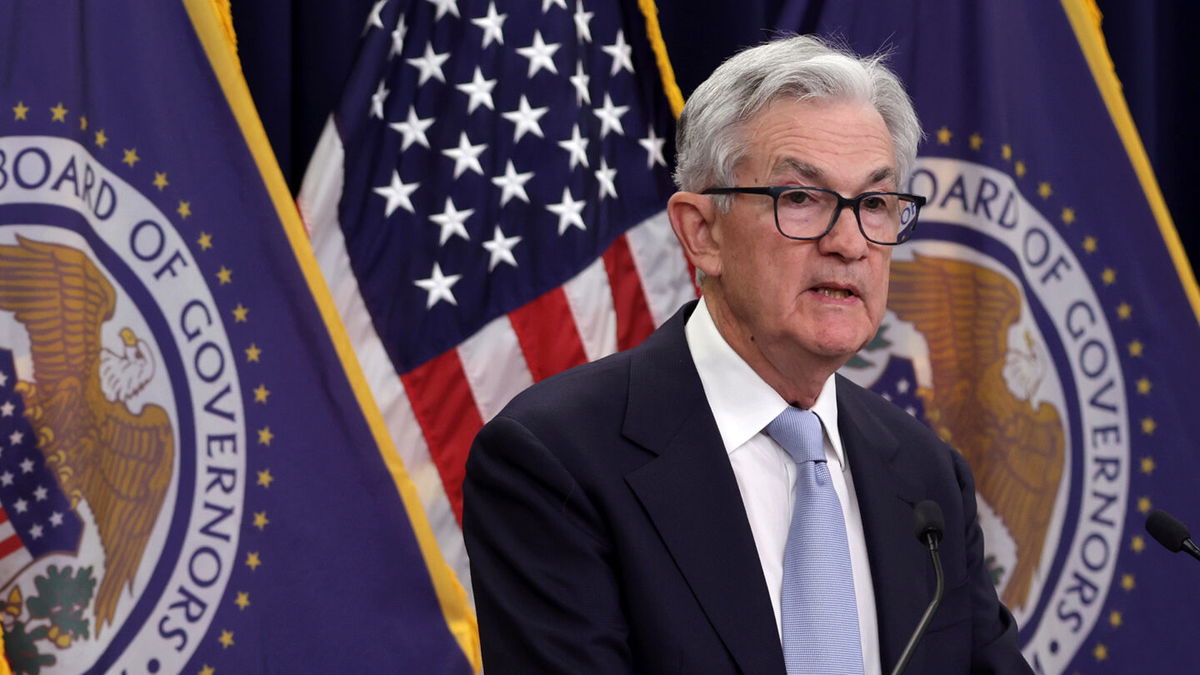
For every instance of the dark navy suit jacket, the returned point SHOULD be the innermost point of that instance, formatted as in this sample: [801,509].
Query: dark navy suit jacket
[607,535]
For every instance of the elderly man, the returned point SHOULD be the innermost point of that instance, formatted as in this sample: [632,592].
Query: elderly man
[717,500]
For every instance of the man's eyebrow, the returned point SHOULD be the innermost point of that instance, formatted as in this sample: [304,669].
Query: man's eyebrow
[883,174]
[806,170]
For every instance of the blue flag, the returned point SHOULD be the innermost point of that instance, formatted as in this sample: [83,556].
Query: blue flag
[1044,320]
[193,477]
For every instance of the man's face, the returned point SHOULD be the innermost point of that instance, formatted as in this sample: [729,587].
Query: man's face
[809,300]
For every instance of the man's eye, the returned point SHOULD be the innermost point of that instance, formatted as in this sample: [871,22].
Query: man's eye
[874,203]
[797,197]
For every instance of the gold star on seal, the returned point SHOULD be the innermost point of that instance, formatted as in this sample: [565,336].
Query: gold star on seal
[265,436]
[1089,244]
[131,157]
[261,393]
[260,520]
[225,275]
[1143,386]
[1136,348]
[160,180]
[1068,215]
[1148,465]
[101,138]
[1108,276]
[226,639]
[20,111]
[1137,543]
[252,353]
[944,135]
[207,670]
[1114,619]
[252,560]
[265,478]
[205,241]
[83,122]
[1019,169]
[1127,582]
[242,600]
[184,210]
[976,141]
[240,313]
[58,113]
[1100,652]
[1148,425]
[1144,505]
[1006,151]
[1124,311]
[1044,190]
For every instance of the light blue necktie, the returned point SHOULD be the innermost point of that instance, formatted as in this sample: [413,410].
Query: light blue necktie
[819,614]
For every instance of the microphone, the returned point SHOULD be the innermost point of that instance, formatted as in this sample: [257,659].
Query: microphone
[929,525]
[1171,533]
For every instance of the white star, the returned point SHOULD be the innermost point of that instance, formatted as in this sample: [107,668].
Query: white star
[413,129]
[374,19]
[501,248]
[577,146]
[378,99]
[580,79]
[438,286]
[902,386]
[526,119]
[546,4]
[444,6]
[512,184]
[568,212]
[606,177]
[56,519]
[466,156]
[40,493]
[540,55]
[654,148]
[3,379]
[911,411]
[21,505]
[6,410]
[26,465]
[451,221]
[397,195]
[16,437]
[610,116]
[582,20]
[36,531]
[621,53]
[479,90]
[6,478]
[430,65]
[398,37]
[492,25]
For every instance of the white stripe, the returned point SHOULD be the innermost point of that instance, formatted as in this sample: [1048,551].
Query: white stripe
[318,202]
[660,263]
[495,366]
[18,558]
[590,298]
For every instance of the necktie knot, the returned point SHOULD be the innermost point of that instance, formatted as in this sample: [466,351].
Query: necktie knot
[799,432]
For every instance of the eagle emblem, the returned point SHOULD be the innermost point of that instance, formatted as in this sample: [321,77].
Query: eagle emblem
[99,450]
[1016,450]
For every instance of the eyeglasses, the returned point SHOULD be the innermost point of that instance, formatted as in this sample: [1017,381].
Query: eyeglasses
[808,213]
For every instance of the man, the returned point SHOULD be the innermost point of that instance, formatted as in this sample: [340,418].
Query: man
[674,508]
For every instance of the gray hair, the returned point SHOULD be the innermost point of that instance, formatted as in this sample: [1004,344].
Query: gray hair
[709,140]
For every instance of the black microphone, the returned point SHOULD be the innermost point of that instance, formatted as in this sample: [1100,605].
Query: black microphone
[929,525]
[1171,533]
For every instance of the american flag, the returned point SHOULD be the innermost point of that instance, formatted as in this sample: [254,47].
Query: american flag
[487,206]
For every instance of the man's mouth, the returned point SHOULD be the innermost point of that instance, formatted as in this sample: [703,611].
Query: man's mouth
[834,292]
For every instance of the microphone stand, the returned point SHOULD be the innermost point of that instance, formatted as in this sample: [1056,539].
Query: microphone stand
[906,655]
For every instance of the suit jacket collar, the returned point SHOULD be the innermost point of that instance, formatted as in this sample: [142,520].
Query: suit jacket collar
[690,494]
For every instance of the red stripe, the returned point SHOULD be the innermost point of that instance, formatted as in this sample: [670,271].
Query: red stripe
[10,545]
[634,322]
[3,516]
[548,336]
[441,399]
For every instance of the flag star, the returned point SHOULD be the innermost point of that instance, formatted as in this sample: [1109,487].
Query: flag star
[56,519]
[39,494]
[568,212]
[512,184]
[451,221]
[398,37]
[378,99]
[479,90]
[610,116]
[26,465]
[444,6]
[430,65]
[492,25]
[580,80]
[621,54]
[466,156]
[438,286]
[6,410]
[526,119]
[3,379]
[36,531]
[374,18]
[606,177]
[577,146]
[21,506]
[413,129]
[546,4]
[540,55]
[654,148]
[16,437]
[6,478]
[397,195]
[500,247]
[583,19]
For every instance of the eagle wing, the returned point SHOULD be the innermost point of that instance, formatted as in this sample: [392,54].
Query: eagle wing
[964,312]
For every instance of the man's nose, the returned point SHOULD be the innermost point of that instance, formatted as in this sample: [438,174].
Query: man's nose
[845,239]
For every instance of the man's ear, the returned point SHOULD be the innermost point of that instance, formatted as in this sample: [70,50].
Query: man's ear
[693,217]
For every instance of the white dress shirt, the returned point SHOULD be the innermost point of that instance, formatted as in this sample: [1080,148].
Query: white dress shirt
[743,404]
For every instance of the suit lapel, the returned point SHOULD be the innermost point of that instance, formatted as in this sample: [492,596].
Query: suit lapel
[690,494]
[885,499]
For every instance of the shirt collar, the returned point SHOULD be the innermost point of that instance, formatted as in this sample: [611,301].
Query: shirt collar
[743,403]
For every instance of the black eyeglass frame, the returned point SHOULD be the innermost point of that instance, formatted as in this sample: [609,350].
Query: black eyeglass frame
[853,202]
